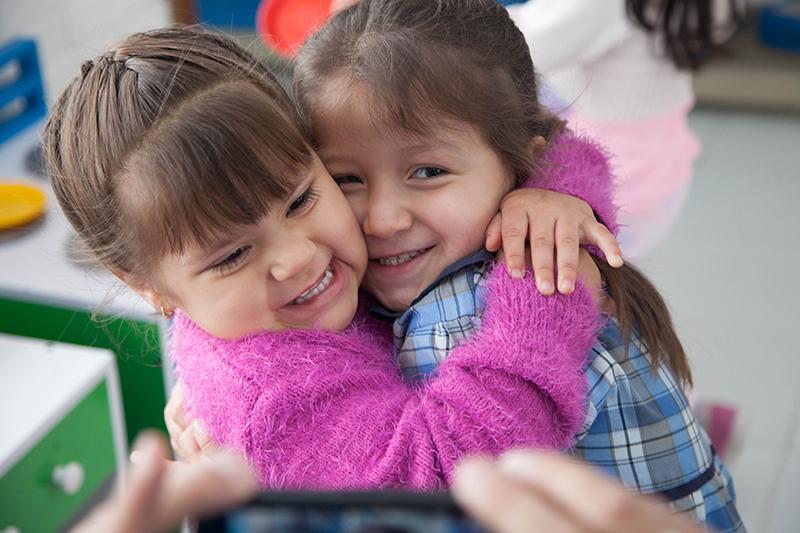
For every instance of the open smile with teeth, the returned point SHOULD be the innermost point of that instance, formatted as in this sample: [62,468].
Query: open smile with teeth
[395,260]
[317,289]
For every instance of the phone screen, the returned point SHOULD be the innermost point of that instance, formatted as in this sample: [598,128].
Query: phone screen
[345,512]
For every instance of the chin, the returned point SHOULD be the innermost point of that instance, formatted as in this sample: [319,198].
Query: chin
[340,318]
[395,302]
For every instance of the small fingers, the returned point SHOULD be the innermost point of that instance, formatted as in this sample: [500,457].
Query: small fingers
[174,416]
[542,254]
[202,438]
[187,446]
[599,235]
[494,234]
[567,248]
[514,229]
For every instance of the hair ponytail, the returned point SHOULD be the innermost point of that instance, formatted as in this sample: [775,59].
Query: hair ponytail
[638,304]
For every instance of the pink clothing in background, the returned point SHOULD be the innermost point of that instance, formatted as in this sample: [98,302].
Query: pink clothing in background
[653,161]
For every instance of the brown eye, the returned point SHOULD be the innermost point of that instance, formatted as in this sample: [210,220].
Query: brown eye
[232,260]
[347,180]
[427,173]
[302,202]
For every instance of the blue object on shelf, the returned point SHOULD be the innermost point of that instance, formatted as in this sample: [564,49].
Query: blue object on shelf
[228,14]
[21,90]
[779,26]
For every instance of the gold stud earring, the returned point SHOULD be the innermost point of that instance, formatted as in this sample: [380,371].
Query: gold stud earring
[167,314]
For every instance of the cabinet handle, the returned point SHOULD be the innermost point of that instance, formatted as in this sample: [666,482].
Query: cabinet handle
[69,477]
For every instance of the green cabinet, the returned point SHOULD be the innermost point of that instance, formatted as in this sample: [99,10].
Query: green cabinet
[50,289]
[64,437]
[135,343]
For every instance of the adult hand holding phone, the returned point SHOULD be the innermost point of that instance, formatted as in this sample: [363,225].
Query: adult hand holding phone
[530,491]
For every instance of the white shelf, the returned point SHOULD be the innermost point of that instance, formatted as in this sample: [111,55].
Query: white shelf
[40,382]
[33,261]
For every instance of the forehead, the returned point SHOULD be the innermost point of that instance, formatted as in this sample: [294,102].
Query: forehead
[354,120]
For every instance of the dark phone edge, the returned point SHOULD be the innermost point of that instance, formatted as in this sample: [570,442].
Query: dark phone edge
[332,500]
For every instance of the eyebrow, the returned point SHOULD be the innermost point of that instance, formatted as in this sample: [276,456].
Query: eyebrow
[207,257]
[431,147]
[218,244]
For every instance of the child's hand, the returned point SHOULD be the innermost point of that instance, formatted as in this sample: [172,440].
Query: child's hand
[546,217]
[188,438]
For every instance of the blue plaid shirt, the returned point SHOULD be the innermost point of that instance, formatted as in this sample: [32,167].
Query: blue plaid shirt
[444,315]
[638,427]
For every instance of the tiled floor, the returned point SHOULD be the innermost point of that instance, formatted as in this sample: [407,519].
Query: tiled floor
[731,274]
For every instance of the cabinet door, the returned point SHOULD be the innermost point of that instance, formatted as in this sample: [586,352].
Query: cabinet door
[82,446]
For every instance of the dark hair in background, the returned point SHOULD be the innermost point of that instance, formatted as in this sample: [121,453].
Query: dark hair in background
[466,60]
[422,60]
[166,140]
[690,30]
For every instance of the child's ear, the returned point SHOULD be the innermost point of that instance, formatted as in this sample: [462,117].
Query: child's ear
[536,146]
[160,302]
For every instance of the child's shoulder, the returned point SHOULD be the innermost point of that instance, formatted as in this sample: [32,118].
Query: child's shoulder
[266,350]
[615,359]
[575,150]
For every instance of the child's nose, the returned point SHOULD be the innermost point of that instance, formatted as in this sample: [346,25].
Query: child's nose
[294,258]
[386,215]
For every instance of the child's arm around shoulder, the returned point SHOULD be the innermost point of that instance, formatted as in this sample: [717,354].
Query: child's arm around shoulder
[557,209]
[329,410]
[579,166]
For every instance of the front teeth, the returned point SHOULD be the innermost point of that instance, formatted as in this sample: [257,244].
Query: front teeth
[320,287]
[399,259]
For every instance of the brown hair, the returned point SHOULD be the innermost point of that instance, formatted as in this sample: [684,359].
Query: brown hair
[168,139]
[424,59]
[690,30]
[467,60]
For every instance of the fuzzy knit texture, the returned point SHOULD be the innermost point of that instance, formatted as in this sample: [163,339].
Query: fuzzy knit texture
[329,410]
[577,165]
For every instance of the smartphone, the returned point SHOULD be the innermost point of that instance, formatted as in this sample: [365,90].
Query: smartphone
[345,512]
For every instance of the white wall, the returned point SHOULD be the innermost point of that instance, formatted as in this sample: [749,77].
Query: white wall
[69,31]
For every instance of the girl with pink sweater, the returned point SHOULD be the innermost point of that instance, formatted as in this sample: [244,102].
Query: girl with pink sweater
[179,162]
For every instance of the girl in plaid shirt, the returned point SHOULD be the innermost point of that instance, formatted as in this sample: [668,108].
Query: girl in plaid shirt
[392,92]
[179,161]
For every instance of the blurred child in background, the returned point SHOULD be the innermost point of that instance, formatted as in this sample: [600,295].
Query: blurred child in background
[622,69]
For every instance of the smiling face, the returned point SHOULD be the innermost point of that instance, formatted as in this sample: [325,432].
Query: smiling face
[423,201]
[299,267]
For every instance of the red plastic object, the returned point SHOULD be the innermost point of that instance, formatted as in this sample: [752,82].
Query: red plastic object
[284,25]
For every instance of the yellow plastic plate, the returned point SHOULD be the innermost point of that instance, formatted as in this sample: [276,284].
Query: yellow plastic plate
[20,204]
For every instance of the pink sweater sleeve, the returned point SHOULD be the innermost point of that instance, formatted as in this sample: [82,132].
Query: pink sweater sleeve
[579,166]
[329,410]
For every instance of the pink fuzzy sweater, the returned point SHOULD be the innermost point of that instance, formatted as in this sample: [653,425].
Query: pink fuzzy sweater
[315,409]
[577,165]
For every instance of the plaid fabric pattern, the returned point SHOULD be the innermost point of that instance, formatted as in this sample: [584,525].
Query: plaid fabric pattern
[439,320]
[638,427]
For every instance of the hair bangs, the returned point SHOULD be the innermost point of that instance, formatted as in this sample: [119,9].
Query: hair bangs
[221,161]
[422,89]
